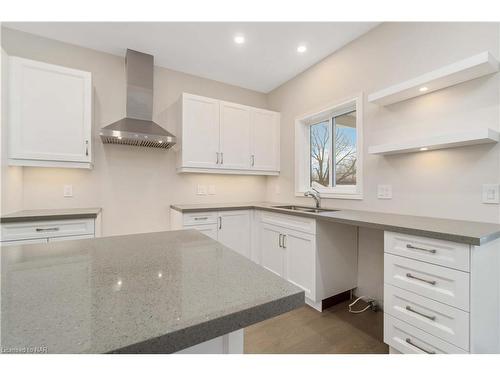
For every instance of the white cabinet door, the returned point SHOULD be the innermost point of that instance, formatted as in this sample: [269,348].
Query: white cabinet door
[265,140]
[209,229]
[300,260]
[235,136]
[234,231]
[200,132]
[50,112]
[273,254]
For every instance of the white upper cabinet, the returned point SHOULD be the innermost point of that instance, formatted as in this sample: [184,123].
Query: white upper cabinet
[200,132]
[223,137]
[235,126]
[265,140]
[50,115]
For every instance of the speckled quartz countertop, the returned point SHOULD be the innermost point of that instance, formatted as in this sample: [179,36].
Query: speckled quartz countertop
[142,293]
[50,214]
[468,232]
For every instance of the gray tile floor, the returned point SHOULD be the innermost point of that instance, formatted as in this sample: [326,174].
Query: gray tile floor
[308,331]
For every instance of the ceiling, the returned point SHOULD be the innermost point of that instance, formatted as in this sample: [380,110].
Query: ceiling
[267,59]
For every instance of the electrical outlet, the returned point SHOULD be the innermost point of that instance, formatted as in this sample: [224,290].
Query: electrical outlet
[384,191]
[211,189]
[201,190]
[490,193]
[68,191]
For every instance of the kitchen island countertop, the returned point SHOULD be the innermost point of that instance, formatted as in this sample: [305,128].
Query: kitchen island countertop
[143,293]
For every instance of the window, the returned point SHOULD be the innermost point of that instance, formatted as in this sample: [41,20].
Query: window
[327,151]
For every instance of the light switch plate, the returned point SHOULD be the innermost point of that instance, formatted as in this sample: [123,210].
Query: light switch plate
[211,189]
[201,190]
[384,191]
[491,193]
[68,191]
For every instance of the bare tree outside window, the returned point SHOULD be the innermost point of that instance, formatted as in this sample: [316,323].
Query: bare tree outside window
[320,153]
[344,153]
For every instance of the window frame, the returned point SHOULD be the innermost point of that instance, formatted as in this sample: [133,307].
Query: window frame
[302,148]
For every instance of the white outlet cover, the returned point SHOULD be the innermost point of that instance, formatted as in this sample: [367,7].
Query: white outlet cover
[201,190]
[384,191]
[491,193]
[211,189]
[68,191]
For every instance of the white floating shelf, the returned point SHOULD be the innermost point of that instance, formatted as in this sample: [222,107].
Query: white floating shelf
[461,71]
[475,137]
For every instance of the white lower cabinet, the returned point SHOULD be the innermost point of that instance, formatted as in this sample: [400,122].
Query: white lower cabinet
[231,228]
[209,229]
[273,254]
[234,231]
[320,258]
[43,231]
[289,254]
[408,339]
[300,260]
[440,296]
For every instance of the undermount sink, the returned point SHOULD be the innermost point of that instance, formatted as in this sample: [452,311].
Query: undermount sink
[304,209]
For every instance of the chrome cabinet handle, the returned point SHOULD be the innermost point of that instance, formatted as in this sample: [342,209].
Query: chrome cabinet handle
[432,251]
[279,241]
[408,340]
[253,160]
[430,317]
[54,229]
[201,218]
[220,222]
[222,158]
[284,243]
[410,276]
[217,162]
[86,147]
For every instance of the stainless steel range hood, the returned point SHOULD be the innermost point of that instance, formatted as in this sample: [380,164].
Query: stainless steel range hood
[138,128]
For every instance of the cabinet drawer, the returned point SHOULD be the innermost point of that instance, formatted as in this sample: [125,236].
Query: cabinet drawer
[444,253]
[443,321]
[199,218]
[302,224]
[411,340]
[46,229]
[438,283]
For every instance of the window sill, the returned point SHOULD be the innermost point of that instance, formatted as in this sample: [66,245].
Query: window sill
[354,196]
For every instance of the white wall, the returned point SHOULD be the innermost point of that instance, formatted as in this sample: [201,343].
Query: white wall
[135,186]
[439,183]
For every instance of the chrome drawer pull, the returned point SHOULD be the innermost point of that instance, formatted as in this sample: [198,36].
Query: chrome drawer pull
[54,229]
[419,347]
[201,218]
[430,317]
[279,241]
[432,251]
[410,276]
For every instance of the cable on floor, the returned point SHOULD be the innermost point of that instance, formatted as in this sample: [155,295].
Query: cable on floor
[370,301]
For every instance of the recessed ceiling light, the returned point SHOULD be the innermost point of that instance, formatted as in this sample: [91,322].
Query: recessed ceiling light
[423,89]
[423,148]
[239,39]
[301,49]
